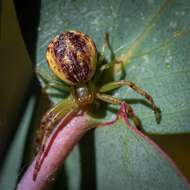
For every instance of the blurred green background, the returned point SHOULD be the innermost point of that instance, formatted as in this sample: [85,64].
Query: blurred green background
[17,83]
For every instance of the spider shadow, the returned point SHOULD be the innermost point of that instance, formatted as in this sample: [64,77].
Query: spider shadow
[61,180]
[88,161]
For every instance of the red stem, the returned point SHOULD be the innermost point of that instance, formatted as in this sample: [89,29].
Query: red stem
[65,140]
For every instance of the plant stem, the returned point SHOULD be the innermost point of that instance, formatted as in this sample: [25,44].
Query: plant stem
[62,145]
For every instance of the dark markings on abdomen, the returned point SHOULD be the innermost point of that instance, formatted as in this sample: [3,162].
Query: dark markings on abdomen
[66,49]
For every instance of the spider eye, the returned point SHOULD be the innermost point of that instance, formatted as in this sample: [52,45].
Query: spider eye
[72,57]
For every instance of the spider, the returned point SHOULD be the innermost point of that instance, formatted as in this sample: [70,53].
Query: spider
[73,58]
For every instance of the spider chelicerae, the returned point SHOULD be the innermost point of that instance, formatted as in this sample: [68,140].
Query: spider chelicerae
[73,58]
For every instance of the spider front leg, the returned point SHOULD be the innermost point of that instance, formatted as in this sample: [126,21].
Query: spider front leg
[113,85]
[48,122]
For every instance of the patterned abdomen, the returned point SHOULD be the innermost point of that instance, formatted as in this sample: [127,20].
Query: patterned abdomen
[72,57]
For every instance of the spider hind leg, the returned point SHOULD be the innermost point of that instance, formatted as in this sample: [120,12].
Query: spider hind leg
[125,111]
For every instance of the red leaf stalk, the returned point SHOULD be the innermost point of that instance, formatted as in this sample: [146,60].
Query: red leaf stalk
[61,146]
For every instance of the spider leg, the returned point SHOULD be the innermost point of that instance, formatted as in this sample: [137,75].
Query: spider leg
[102,67]
[128,109]
[104,46]
[55,84]
[134,117]
[105,67]
[108,99]
[113,59]
[47,124]
[113,85]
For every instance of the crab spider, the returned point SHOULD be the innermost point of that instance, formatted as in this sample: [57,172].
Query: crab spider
[72,57]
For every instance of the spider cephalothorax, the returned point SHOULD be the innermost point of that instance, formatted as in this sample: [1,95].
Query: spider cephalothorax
[72,57]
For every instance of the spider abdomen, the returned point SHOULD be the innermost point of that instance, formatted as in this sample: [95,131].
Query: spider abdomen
[72,57]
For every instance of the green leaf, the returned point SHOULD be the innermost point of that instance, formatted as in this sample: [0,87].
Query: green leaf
[151,37]
[11,167]
[121,157]
[126,157]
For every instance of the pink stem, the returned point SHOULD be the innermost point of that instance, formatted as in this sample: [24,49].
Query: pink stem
[65,140]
